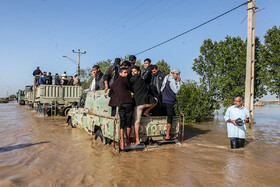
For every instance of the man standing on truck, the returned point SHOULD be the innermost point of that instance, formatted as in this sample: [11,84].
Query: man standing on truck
[170,87]
[121,97]
[132,60]
[99,80]
[36,73]
[57,80]
[77,81]
[42,78]
[155,86]
[147,72]
[142,99]
[111,74]
[92,84]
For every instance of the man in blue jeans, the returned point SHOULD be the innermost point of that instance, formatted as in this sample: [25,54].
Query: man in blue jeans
[170,87]
[236,116]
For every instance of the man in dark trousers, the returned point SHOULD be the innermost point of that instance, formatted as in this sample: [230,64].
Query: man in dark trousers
[99,80]
[155,86]
[142,99]
[121,97]
[170,87]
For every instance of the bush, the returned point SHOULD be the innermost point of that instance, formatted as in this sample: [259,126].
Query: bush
[194,101]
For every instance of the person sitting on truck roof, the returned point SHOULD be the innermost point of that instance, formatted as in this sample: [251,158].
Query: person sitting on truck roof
[77,81]
[57,80]
[142,99]
[120,96]
[111,74]
[170,87]
[42,78]
[99,80]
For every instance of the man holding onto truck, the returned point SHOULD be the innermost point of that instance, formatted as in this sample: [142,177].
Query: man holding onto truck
[142,99]
[120,96]
[170,87]
[99,80]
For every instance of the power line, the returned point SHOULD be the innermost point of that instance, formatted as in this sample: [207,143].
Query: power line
[140,23]
[193,28]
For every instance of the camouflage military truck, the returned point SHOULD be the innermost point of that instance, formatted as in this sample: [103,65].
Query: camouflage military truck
[94,116]
[21,97]
[55,99]
[29,96]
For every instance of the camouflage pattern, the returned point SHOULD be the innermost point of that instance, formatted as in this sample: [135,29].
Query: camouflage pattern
[96,114]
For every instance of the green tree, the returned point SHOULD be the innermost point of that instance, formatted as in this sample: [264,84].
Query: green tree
[222,67]
[104,64]
[195,102]
[163,67]
[270,56]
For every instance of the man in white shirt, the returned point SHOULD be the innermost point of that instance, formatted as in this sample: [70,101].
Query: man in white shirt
[92,84]
[236,116]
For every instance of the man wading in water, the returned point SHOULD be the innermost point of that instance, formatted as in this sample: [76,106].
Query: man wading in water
[236,117]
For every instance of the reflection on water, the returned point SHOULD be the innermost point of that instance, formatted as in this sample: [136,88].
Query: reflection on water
[38,151]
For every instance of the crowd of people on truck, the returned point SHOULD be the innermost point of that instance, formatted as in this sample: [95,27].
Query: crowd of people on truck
[133,90]
[43,78]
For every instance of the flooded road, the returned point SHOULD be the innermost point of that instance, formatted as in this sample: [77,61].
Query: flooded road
[43,151]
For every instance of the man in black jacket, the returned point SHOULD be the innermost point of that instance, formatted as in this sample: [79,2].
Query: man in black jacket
[142,99]
[57,80]
[99,80]
[155,86]
[147,72]
[111,74]
[36,73]
[120,96]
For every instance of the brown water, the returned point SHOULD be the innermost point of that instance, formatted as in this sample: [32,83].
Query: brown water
[38,151]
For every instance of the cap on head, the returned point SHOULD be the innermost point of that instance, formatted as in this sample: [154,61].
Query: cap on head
[175,70]
[132,57]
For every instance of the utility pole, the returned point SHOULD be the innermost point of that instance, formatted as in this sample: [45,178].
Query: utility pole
[79,55]
[250,62]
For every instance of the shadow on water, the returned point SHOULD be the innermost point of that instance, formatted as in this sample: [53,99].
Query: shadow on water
[19,146]
[190,132]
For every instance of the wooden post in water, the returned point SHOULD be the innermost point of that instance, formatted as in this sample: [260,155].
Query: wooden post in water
[250,62]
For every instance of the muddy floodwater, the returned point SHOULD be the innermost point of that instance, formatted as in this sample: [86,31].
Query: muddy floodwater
[43,151]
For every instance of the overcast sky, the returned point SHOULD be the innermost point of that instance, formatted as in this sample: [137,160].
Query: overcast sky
[39,32]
